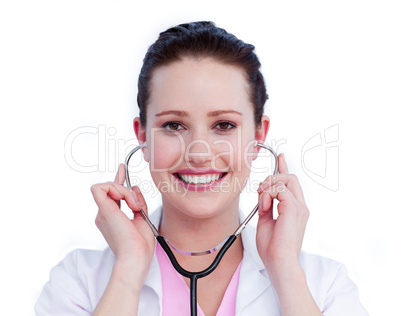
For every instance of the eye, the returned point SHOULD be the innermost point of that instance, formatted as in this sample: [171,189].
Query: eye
[225,126]
[172,126]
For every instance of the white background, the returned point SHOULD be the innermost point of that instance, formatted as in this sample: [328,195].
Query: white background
[66,65]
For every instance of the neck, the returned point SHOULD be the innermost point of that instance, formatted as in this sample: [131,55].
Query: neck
[198,233]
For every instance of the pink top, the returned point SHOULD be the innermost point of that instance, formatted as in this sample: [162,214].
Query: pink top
[176,294]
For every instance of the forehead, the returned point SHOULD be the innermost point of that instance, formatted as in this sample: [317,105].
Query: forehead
[191,84]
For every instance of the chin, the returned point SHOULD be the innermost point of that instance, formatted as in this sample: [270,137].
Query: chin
[201,205]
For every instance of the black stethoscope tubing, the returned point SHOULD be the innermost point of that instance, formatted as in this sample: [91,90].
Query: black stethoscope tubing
[194,276]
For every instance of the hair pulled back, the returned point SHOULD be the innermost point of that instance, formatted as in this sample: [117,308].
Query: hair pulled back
[202,40]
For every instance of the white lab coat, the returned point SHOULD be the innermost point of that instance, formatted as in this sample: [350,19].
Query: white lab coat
[77,283]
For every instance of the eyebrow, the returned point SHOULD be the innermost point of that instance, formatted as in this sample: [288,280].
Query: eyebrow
[174,112]
[211,113]
[218,112]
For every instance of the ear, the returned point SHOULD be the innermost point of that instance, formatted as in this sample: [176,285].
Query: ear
[261,134]
[140,132]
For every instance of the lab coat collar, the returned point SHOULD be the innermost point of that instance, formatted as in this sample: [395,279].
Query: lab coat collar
[253,279]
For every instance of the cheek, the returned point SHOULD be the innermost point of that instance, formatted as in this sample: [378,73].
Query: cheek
[224,155]
[245,157]
[164,153]
[236,154]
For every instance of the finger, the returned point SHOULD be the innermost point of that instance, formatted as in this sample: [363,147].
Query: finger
[270,180]
[107,192]
[102,198]
[130,198]
[283,167]
[265,203]
[289,180]
[280,192]
[120,175]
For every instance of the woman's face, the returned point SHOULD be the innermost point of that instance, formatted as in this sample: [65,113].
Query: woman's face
[200,135]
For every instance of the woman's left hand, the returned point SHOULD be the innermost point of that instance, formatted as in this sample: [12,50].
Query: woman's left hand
[279,240]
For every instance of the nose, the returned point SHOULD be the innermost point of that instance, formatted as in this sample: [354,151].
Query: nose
[198,151]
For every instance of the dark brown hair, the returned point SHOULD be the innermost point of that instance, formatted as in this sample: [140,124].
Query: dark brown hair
[202,40]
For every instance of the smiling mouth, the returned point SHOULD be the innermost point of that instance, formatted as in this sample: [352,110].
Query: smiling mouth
[200,179]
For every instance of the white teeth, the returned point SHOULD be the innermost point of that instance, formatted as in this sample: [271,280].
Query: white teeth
[199,179]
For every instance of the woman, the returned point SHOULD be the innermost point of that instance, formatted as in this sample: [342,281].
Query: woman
[201,98]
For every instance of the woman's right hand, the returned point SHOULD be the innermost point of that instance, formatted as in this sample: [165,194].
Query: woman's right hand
[131,241]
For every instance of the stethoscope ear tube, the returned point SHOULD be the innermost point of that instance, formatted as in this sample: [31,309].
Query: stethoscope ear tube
[273,152]
[255,209]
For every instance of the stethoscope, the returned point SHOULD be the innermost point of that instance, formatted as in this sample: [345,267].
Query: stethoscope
[222,247]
